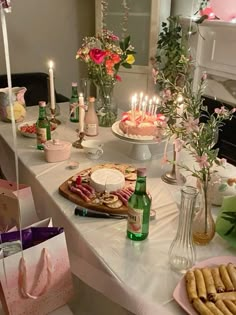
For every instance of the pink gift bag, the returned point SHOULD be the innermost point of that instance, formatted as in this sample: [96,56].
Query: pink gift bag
[9,205]
[39,281]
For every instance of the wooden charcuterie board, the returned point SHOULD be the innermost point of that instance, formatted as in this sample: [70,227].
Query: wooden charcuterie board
[65,191]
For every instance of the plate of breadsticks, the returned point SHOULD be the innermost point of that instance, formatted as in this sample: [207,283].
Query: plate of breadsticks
[209,288]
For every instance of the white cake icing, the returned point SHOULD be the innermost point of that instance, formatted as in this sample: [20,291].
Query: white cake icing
[107,179]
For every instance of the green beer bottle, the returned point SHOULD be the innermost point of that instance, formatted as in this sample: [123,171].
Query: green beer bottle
[43,129]
[139,205]
[74,100]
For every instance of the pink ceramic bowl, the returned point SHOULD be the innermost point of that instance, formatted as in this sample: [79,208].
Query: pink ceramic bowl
[57,150]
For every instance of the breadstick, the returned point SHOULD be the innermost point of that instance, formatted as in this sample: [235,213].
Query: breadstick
[213,308]
[201,307]
[232,274]
[200,283]
[220,304]
[226,279]
[227,296]
[217,280]
[191,285]
[231,306]
[210,286]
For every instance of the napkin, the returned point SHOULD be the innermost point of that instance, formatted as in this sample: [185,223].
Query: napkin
[222,225]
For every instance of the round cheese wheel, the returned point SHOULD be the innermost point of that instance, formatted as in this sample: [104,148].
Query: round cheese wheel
[106,179]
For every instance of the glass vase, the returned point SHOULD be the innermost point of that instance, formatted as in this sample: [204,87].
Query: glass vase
[182,251]
[203,223]
[106,106]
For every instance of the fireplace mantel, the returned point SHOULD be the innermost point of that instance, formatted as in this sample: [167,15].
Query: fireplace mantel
[213,47]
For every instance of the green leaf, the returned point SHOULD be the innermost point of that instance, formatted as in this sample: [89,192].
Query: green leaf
[126,65]
[122,46]
[231,220]
[229,231]
[223,187]
[126,42]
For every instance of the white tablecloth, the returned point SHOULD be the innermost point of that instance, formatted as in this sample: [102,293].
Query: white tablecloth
[134,274]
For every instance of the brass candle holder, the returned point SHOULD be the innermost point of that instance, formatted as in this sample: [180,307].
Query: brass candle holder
[171,177]
[78,143]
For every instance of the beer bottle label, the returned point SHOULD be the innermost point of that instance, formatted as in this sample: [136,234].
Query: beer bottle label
[135,220]
[74,110]
[41,135]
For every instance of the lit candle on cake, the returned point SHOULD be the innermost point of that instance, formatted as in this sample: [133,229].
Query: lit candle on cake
[81,112]
[52,90]
[150,107]
[133,105]
[140,101]
[144,107]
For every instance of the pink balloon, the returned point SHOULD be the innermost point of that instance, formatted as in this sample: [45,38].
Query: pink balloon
[224,9]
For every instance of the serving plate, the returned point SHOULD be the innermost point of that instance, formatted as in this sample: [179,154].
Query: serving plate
[131,138]
[180,293]
[31,124]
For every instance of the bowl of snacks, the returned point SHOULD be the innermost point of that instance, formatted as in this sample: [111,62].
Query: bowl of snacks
[28,129]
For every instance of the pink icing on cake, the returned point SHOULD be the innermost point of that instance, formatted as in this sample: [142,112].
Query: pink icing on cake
[142,125]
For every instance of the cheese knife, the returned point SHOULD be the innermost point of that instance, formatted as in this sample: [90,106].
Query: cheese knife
[85,212]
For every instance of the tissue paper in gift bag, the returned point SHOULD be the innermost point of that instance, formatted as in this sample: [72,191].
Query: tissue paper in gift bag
[226,220]
[9,205]
[39,281]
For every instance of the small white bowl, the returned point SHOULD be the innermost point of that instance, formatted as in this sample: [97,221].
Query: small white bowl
[93,148]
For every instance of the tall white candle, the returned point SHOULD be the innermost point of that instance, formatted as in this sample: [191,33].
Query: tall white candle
[133,104]
[52,90]
[140,101]
[81,112]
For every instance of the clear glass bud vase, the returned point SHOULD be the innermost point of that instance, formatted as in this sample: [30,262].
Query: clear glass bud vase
[107,108]
[203,224]
[182,251]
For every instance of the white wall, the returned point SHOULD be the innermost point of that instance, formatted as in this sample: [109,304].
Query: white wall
[40,30]
[184,7]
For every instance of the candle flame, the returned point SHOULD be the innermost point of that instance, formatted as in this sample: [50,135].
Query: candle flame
[50,64]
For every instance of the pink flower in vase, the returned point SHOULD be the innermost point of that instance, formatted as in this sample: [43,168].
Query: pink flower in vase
[179,143]
[202,160]
[191,125]
[97,55]
[221,111]
[223,162]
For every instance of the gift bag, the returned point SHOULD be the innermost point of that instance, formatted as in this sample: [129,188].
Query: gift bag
[9,206]
[39,281]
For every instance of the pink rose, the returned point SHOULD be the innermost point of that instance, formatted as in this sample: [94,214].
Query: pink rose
[97,55]
[118,78]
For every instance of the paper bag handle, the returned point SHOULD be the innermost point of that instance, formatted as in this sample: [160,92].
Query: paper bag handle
[23,276]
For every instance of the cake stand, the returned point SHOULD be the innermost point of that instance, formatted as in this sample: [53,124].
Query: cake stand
[140,147]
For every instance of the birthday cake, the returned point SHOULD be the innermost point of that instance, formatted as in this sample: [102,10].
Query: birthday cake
[142,125]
